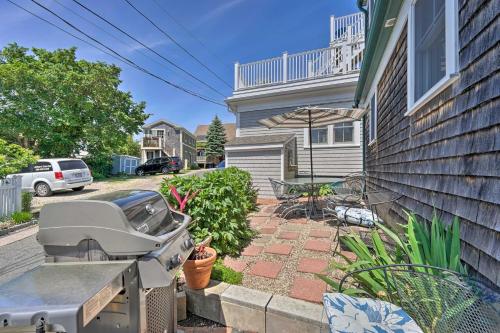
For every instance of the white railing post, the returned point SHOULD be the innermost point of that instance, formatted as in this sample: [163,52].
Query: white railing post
[310,73]
[236,75]
[332,29]
[285,67]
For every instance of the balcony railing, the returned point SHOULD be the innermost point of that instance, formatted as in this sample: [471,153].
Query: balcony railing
[201,159]
[152,142]
[343,56]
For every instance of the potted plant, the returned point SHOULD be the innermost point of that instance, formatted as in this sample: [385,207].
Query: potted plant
[198,267]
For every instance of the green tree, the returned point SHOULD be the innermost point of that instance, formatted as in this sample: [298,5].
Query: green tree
[216,138]
[130,147]
[57,105]
[13,158]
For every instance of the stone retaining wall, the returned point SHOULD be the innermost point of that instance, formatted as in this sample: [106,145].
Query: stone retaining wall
[256,311]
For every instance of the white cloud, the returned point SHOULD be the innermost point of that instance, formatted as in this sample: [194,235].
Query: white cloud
[217,11]
[152,45]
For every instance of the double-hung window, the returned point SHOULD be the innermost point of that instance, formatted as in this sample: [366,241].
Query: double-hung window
[340,134]
[432,49]
[343,132]
[319,136]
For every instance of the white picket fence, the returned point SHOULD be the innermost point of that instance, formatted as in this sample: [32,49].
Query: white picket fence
[10,195]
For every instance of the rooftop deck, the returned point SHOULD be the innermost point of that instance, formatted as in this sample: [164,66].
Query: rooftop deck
[343,56]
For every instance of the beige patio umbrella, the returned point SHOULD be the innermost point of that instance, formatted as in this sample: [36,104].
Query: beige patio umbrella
[311,116]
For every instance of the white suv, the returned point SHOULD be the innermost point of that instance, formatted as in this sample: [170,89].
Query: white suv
[55,174]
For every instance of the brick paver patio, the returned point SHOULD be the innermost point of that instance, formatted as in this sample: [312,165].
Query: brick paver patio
[285,256]
[266,269]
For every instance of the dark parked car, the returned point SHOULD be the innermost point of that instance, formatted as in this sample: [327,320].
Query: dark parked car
[177,165]
[155,165]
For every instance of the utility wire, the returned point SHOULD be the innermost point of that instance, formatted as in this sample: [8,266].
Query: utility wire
[147,47]
[178,44]
[190,33]
[122,58]
[128,45]
[109,33]
[65,31]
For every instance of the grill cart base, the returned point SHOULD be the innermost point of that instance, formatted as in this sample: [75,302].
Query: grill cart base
[86,297]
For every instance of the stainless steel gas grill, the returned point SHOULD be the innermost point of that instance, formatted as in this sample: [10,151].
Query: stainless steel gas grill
[110,266]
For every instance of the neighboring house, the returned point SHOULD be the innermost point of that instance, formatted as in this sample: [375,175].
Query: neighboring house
[324,77]
[201,141]
[430,83]
[163,138]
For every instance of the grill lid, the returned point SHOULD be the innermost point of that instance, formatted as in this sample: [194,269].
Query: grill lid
[123,223]
[146,211]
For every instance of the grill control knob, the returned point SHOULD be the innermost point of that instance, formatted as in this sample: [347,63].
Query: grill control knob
[188,244]
[175,261]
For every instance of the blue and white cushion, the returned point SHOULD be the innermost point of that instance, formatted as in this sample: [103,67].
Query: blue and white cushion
[348,314]
[358,216]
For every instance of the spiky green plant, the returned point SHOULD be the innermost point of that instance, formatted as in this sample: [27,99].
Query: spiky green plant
[435,245]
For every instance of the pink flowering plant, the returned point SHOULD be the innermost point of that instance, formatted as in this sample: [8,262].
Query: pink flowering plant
[218,202]
[181,201]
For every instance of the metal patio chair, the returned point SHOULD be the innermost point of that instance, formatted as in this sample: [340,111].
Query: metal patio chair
[360,209]
[288,199]
[437,299]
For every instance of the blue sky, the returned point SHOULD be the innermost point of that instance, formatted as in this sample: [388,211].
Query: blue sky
[230,30]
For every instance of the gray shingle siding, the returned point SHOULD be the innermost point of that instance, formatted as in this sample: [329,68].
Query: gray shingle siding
[262,164]
[327,161]
[445,156]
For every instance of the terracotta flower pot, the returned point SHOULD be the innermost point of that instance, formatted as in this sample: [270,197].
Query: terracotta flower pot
[197,272]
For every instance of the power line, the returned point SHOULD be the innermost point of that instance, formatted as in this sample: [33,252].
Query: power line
[178,44]
[61,29]
[147,47]
[120,57]
[107,32]
[190,33]
[146,55]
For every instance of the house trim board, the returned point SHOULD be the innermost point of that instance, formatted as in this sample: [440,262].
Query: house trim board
[323,97]
[397,29]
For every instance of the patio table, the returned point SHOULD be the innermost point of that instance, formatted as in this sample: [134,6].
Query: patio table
[304,183]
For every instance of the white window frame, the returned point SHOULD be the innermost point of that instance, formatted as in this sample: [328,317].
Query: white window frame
[451,54]
[331,144]
[334,128]
[328,132]
[373,116]
[154,132]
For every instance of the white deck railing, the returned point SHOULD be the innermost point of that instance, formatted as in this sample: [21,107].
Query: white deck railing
[339,27]
[343,56]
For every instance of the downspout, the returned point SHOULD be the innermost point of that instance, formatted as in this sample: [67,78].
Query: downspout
[363,121]
[364,11]
[375,28]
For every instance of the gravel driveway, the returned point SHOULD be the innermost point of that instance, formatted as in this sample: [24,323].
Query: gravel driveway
[101,187]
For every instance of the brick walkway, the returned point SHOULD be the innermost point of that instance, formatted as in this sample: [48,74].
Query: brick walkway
[285,256]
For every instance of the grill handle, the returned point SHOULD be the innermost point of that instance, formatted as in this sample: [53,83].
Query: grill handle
[186,221]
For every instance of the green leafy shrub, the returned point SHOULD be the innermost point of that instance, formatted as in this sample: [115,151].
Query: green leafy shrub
[225,274]
[13,158]
[26,199]
[100,165]
[21,217]
[325,189]
[194,166]
[224,198]
[435,245]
